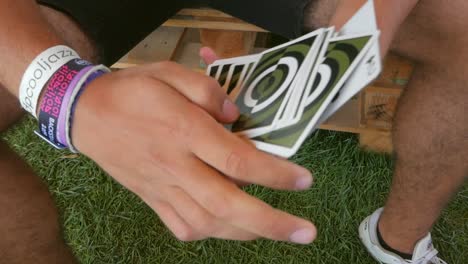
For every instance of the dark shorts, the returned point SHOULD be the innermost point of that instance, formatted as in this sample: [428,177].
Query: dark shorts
[116,26]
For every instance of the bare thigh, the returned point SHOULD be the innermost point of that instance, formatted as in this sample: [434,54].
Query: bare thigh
[10,111]
[434,32]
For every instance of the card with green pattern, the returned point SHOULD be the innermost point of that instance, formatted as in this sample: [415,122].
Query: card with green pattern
[266,90]
[343,54]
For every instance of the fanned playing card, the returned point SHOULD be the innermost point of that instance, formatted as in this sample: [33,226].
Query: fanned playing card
[342,56]
[370,67]
[231,73]
[284,93]
[293,112]
[268,87]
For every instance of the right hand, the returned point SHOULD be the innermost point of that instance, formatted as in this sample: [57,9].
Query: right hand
[156,130]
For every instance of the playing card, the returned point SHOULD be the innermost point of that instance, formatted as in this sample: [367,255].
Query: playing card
[342,56]
[230,73]
[212,70]
[364,20]
[368,70]
[267,88]
[291,114]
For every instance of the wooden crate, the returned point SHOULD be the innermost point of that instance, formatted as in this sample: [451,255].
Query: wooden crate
[370,114]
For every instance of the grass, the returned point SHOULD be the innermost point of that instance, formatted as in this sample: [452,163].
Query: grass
[104,223]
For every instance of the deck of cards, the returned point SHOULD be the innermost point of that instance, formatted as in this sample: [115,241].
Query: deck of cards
[286,92]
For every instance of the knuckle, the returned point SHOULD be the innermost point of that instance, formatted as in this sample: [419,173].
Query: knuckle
[271,228]
[144,86]
[205,227]
[166,65]
[185,234]
[205,95]
[222,207]
[211,83]
[236,165]
[179,127]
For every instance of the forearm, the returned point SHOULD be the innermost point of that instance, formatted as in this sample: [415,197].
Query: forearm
[25,34]
[390,15]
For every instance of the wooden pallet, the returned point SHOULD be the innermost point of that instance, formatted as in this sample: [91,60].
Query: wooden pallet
[370,114]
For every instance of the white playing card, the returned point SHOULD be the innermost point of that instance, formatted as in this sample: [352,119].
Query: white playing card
[364,20]
[231,73]
[367,71]
[268,86]
[343,55]
[212,70]
[294,111]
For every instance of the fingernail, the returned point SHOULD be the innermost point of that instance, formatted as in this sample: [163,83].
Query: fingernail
[304,182]
[230,109]
[302,236]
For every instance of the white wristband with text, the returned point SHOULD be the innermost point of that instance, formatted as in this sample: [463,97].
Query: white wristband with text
[39,72]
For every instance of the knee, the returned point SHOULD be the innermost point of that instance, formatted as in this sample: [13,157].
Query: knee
[318,13]
[30,226]
[431,33]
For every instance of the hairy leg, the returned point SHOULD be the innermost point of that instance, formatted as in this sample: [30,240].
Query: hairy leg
[431,125]
[30,230]
[430,136]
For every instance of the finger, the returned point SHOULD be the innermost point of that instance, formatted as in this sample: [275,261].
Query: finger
[198,88]
[202,221]
[208,55]
[175,223]
[237,159]
[225,201]
[239,183]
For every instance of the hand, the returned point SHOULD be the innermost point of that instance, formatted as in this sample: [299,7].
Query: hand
[156,130]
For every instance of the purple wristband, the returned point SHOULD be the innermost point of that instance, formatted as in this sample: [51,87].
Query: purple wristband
[61,124]
[98,72]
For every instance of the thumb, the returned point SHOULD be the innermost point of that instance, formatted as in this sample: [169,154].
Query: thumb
[208,55]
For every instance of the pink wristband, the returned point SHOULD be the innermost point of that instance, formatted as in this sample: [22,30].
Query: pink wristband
[61,124]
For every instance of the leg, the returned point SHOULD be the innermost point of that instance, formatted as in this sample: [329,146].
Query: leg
[31,231]
[10,110]
[430,126]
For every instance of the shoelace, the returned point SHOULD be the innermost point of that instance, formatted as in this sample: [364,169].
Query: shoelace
[430,257]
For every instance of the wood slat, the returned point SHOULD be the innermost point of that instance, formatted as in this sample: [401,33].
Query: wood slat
[189,23]
[396,72]
[203,13]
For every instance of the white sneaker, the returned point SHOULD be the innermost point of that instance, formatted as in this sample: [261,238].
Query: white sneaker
[424,251]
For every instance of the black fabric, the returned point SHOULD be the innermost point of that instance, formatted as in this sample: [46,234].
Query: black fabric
[283,17]
[117,26]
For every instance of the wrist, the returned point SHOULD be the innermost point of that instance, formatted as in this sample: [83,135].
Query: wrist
[50,88]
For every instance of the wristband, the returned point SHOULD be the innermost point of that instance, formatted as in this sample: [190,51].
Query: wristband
[39,72]
[61,85]
[92,74]
[62,121]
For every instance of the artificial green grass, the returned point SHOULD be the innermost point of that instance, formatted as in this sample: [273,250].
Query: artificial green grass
[104,223]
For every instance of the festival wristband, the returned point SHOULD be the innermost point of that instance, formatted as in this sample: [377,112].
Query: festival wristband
[62,121]
[62,83]
[94,73]
[39,72]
